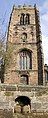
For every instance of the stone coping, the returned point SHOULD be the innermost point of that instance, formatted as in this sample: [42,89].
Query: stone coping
[16,87]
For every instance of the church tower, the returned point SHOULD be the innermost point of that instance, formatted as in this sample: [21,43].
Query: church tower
[24,58]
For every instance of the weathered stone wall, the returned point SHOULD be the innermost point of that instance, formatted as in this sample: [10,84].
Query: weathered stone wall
[40,57]
[15,44]
[6,113]
[31,115]
[37,95]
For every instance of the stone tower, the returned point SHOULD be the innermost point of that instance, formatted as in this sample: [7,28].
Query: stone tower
[24,57]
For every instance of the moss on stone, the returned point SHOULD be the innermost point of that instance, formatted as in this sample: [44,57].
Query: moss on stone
[8,93]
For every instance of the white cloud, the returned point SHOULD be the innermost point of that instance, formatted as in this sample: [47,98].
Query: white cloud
[45,48]
[45,17]
[44,6]
[44,28]
[44,24]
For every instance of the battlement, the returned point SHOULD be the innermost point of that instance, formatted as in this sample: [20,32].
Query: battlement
[24,7]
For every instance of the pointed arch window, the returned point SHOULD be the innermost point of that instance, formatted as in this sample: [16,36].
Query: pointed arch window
[25,60]
[22,19]
[27,19]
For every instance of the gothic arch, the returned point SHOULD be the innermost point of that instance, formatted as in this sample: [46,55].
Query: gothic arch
[22,19]
[27,19]
[24,79]
[23,101]
[25,56]
[27,49]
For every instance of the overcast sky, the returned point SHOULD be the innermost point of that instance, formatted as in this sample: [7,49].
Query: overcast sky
[5,10]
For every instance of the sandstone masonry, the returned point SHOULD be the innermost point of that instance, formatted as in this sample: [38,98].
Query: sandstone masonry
[24,59]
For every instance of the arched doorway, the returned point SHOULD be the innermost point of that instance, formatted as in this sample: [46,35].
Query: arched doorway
[23,100]
[24,79]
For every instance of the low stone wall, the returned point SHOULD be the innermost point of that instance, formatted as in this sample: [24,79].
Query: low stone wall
[16,87]
[38,96]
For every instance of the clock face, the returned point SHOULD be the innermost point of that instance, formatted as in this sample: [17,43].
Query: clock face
[24,36]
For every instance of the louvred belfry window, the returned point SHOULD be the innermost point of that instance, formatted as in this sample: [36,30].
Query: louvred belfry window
[22,19]
[25,19]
